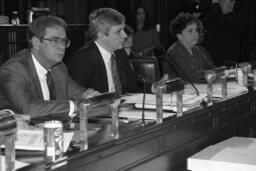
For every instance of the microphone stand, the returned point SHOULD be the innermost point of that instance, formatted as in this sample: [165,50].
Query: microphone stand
[141,78]
[176,68]
[143,104]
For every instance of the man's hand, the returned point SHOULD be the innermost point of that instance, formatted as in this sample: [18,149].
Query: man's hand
[163,79]
[90,93]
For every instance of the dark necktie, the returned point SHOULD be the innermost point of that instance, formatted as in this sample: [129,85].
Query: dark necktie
[115,75]
[51,87]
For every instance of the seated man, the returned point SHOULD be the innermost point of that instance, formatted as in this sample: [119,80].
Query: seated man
[97,65]
[35,80]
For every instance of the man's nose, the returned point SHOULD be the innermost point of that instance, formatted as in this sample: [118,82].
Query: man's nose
[124,34]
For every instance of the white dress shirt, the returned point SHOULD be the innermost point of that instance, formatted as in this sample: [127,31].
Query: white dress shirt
[41,72]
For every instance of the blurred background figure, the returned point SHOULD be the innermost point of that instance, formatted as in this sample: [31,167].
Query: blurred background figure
[185,56]
[129,40]
[4,19]
[224,26]
[145,37]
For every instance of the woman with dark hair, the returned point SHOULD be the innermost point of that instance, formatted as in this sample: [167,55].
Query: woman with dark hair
[129,40]
[190,58]
[145,38]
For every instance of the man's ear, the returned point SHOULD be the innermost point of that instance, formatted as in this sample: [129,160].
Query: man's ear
[100,35]
[35,42]
[178,36]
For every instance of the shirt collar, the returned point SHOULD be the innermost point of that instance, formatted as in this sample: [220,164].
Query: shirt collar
[41,71]
[105,54]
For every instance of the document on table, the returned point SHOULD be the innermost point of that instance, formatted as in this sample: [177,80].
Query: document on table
[137,114]
[233,89]
[169,101]
[17,164]
[34,140]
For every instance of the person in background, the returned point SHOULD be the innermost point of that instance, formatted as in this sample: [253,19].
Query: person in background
[98,65]
[224,26]
[35,80]
[192,59]
[145,37]
[129,40]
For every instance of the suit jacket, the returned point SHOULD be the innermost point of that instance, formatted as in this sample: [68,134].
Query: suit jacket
[87,68]
[20,85]
[191,65]
[5,104]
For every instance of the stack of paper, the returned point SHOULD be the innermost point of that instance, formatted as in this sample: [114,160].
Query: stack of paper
[34,140]
[233,89]
[137,114]
[169,101]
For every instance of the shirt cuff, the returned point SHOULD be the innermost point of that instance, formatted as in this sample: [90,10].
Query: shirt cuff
[72,113]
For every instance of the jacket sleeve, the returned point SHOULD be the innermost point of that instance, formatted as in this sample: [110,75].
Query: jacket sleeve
[16,87]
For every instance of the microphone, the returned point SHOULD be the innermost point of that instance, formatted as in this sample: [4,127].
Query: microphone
[232,63]
[178,71]
[142,79]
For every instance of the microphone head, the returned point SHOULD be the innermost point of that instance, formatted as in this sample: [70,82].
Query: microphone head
[141,78]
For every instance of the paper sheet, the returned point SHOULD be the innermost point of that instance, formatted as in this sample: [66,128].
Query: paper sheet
[33,140]
[233,89]
[168,99]
[17,164]
[137,114]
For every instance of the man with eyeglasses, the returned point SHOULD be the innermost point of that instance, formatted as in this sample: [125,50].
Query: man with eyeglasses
[36,80]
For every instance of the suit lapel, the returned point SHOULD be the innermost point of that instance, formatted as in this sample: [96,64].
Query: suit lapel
[102,65]
[32,71]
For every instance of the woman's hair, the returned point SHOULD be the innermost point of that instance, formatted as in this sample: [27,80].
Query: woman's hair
[128,30]
[38,26]
[147,23]
[102,19]
[178,24]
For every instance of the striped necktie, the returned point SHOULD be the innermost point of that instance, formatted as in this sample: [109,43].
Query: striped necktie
[51,87]
[115,76]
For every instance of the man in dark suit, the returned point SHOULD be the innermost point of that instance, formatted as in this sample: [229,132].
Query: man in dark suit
[90,66]
[35,80]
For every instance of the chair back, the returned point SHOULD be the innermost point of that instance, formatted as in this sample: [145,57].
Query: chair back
[147,67]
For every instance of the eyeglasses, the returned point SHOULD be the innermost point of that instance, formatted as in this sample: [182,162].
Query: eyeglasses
[56,41]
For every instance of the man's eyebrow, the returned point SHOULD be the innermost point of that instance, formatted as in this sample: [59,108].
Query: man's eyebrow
[120,29]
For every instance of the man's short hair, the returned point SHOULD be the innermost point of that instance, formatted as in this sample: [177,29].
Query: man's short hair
[102,19]
[38,26]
